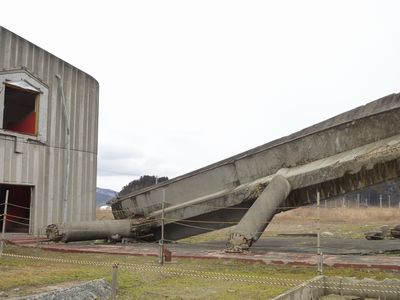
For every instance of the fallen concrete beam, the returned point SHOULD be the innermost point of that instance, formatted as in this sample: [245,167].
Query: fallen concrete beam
[356,128]
[353,150]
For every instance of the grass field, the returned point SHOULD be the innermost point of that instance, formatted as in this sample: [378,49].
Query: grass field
[25,276]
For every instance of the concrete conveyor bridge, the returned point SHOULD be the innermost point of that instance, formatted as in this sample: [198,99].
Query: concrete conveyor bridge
[351,151]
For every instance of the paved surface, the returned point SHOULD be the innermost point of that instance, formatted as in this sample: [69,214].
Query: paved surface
[295,250]
[308,244]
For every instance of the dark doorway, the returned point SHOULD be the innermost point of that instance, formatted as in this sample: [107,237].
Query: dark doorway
[18,208]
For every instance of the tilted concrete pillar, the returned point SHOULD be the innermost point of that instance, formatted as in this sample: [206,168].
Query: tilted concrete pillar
[254,222]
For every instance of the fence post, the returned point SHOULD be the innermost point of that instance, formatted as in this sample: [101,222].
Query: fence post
[389,201]
[37,237]
[358,200]
[3,230]
[319,253]
[114,282]
[161,242]
[380,201]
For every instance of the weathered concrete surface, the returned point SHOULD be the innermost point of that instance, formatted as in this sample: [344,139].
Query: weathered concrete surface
[40,161]
[256,219]
[95,289]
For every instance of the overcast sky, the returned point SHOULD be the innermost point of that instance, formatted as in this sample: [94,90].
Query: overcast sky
[187,83]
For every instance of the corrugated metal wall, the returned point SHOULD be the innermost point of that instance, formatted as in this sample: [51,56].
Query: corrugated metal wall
[43,165]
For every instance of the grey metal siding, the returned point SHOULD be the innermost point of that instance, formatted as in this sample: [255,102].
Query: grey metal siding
[43,165]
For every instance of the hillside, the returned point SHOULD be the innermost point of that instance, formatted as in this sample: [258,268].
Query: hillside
[104,195]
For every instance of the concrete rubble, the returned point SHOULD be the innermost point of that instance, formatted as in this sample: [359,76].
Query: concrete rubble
[95,289]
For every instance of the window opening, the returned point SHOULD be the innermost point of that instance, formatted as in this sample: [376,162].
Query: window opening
[20,107]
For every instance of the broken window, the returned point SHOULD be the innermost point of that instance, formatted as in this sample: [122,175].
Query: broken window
[20,107]
[23,105]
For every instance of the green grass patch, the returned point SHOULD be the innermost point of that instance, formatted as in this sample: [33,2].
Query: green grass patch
[25,276]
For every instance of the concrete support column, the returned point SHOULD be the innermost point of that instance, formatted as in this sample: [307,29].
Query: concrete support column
[254,222]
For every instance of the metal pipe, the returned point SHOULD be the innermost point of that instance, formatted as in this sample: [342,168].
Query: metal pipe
[67,146]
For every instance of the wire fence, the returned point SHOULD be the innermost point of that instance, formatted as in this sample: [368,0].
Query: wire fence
[166,269]
[264,282]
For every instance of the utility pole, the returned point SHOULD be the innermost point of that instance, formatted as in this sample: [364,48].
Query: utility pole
[161,242]
[3,230]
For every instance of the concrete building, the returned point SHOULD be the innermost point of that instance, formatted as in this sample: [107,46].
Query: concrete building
[48,137]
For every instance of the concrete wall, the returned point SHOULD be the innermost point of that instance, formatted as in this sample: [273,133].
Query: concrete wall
[41,164]
[311,290]
[344,286]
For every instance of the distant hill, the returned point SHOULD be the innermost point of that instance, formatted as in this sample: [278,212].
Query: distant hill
[104,195]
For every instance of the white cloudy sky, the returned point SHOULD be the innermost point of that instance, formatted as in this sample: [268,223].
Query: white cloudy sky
[187,83]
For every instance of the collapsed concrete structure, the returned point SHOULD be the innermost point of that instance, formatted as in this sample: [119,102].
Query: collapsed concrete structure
[351,151]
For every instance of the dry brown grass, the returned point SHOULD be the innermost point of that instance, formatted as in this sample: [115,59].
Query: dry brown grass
[306,215]
[303,215]
[340,222]
[104,214]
